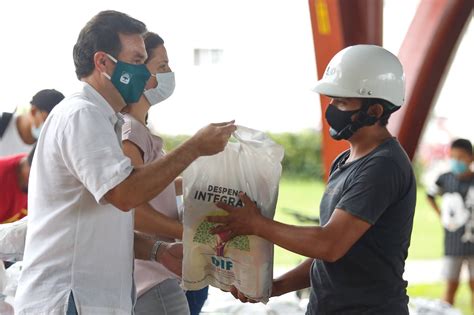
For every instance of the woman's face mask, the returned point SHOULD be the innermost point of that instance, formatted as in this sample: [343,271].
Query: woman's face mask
[129,79]
[164,89]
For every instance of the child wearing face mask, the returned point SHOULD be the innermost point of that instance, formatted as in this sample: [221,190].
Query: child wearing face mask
[456,211]
[18,133]
[158,289]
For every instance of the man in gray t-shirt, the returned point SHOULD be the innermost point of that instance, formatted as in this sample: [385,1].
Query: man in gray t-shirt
[357,255]
[379,189]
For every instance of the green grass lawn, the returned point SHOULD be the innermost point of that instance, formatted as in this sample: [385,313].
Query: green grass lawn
[427,235]
[300,196]
[303,196]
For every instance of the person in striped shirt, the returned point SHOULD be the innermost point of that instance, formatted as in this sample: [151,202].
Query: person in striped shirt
[457,190]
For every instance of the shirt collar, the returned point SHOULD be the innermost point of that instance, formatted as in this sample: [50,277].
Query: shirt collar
[98,100]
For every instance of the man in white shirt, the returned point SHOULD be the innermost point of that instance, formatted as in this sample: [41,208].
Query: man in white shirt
[79,246]
[18,133]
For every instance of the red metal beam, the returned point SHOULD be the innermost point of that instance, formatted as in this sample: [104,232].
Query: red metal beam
[426,53]
[337,24]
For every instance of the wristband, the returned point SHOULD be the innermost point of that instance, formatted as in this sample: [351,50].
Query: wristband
[154,250]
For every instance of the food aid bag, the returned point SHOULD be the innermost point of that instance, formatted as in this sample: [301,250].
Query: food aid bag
[251,165]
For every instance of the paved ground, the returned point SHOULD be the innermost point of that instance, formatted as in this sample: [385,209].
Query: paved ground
[427,271]
[220,303]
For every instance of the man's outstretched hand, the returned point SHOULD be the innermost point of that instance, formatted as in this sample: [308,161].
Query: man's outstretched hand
[239,221]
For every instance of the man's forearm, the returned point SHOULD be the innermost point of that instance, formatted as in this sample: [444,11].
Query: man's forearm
[295,279]
[151,222]
[329,242]
[146,182]
[309,241]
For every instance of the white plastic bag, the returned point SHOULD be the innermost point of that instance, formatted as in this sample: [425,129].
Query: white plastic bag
[12,240]
[251,165]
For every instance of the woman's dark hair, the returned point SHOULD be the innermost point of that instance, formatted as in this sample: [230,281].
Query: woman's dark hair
[152,41]
[101,33]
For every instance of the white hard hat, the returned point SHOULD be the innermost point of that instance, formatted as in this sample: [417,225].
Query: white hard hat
[364,71]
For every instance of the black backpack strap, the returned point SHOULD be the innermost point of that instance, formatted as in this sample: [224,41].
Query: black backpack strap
[4,120]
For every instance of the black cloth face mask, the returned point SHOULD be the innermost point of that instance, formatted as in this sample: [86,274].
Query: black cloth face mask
[341,124]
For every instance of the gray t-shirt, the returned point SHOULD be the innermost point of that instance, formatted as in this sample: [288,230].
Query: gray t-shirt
[380,189]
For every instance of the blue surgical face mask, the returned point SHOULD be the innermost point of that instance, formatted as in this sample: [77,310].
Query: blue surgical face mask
[35,131]
[129,79]
[458,167]
[164,89]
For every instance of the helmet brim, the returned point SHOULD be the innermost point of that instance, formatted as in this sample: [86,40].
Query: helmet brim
[331,89]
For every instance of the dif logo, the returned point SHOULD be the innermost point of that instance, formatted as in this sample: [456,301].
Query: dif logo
[222,263]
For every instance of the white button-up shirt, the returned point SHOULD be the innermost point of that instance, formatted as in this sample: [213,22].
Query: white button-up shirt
[76,242]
